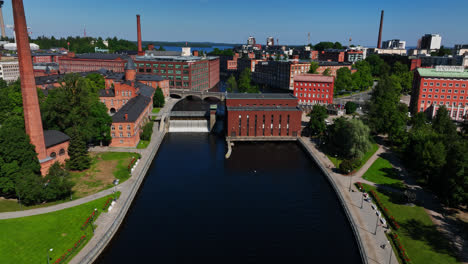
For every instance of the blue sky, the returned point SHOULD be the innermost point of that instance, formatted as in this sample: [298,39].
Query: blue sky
[234,21]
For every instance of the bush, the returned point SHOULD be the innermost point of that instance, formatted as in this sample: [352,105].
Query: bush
[347,166]
[350,107]
[147,131]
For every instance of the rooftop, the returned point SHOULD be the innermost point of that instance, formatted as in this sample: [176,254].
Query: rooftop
[263,108]
[313,78]
[260,96]
[54,137]
[431,72]
[132,108]
[100,56]
[173,58]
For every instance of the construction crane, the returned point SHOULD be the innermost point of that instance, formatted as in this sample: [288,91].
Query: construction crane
[12,27]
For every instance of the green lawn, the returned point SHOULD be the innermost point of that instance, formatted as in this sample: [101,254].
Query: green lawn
[121,170]
[419,236]
[156,110]
[143,144]
[337,161]
[13,205]
[382,172]
[27,239]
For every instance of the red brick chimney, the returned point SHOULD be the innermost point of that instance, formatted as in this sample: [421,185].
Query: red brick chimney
[195,53]
[150,47]
[140,48]
[379,40]
[126,116]
[32,114]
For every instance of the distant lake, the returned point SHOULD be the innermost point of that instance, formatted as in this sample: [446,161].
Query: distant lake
[205,49]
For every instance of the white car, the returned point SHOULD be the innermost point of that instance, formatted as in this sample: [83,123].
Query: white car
[382,220]
[378,213]
[373,206]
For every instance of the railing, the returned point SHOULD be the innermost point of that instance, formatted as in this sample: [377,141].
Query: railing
[362,249]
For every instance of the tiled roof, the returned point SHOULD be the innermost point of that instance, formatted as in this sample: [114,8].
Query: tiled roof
[100,56]
[262,108]
[133,108]
[260,96]
[145,90]
[54,137]
[313,78]
[106,93]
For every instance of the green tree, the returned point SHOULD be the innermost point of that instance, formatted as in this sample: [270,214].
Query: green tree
[313,67]
[317,124]
[57,183]
[350,139]
[362,78]
[158,98]
[350,107]
[326,72]
[378,66]
[161,48]
[324,45]
[344,80]
[405,77]
[97,82]
[147,131]
[29,188]
[245,85]
[337,45]
[232,84]
[79,157]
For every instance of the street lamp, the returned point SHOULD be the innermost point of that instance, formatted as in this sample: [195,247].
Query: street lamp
[390,249]
[48,257]
[350,178]
[376,224]
[92,220]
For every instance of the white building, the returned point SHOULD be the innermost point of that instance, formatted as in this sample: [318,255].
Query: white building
[270,41]
[251,41]
[12,46]
[394,44]
[430,42]
[9,71]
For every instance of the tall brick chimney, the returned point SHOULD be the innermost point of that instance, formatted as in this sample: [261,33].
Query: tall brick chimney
[32,114]
[379,41]
[140,48]
[2,24]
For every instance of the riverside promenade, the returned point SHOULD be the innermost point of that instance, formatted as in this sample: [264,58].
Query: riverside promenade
[370,236]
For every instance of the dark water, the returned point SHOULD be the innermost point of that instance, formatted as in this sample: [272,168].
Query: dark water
[267,204]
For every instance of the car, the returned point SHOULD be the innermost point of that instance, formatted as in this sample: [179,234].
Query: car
[382,220]
[365,195]
[373,206]
[378,213]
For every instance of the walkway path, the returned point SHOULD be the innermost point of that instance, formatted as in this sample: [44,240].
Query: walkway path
[447,226]
[361,212]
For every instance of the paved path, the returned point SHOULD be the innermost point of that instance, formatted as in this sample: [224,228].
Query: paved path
[364,217]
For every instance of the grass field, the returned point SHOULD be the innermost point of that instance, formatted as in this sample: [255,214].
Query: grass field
[382,172]
[419,236]
[13,205]
[365,158]
[143,144]
[156,110]
[27,239]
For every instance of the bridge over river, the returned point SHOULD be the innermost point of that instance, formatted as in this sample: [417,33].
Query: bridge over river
[183,93]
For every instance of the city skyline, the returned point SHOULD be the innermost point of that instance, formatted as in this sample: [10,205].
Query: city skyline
[185,20]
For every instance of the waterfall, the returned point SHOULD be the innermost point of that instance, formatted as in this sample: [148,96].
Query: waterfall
[189,126]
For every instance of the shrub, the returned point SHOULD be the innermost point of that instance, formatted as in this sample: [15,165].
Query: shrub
[147,131]
[350,107]
[346,166]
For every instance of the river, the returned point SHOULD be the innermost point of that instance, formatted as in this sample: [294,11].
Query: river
[267,203]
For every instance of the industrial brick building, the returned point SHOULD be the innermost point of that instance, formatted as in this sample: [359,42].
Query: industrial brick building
[336,55]
[262,117]
[313,89]
[183,70]
[442,85]
[92,62]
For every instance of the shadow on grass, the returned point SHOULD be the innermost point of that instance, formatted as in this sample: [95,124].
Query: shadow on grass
[394,194]
[391,173]
[429,234]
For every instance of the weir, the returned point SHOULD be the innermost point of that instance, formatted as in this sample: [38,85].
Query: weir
[200,126]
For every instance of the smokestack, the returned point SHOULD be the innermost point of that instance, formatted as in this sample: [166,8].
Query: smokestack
[140,49]
[2,24]
[32,114]
[379,41]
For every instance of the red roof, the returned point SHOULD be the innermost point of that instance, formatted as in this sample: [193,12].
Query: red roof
[313,78]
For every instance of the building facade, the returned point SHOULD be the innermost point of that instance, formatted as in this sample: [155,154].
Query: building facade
[430,42]
[441,86]
[9,71]
[313,89]
[263,116]
[394,44]
[92,62]
[335,55]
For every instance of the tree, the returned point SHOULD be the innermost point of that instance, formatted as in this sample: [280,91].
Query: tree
[337,45]
[313,67]
[158,98]
[326,72]
[79,158]
[350,107]
[97,82]
[350,139]
[385,113]
[244,84]
[378,65]
[161,48]
[231,84]
[29,188]
[362,78]
[147,131]
[325,45]
[317,119]
[344,81]
[57,184]
[405,77]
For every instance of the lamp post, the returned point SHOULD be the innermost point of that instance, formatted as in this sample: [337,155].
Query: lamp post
[376,225]
[350,178]
[92,220]
[48,256]
[362,200]
[390,249]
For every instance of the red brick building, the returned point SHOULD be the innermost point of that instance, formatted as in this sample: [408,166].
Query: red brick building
[443,85]
[313,89]
[263,116]
[92,62]
[46,57]
[335,55]
[183,70]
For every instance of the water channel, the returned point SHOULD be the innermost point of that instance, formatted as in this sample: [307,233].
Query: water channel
[267,203]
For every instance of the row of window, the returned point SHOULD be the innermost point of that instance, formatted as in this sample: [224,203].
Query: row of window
[263,127]
[447,103]
[170,66]
[310,90]
[445,84]
[171,71]
[312,102]
[443,91]
[120,127]
[314,85]
[443,96]
[121,135]
[454,111]
[54,155]
[313,95]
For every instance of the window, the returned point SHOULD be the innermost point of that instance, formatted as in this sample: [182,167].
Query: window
[437,84]
[429,96]
[61,152]
[444,84]
[53,155]
[120,127]
[425,84]
[463,85]
[442,97]
[177,66]
[455,91]
[112,127]
[163,65]
[457,85]
[428,102]
[170,71]
[454,97]
[170,65]
[422,102]
[431,84]
[443,90]
[423,96]
[448,96]
[436,96]
[436,90]
[450,84]
[461,97]
[128,135]
[449,91]
[113,134]
[155,65]
[121,134]
[163,71]
[424,90]
[430,90]
[128,127]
